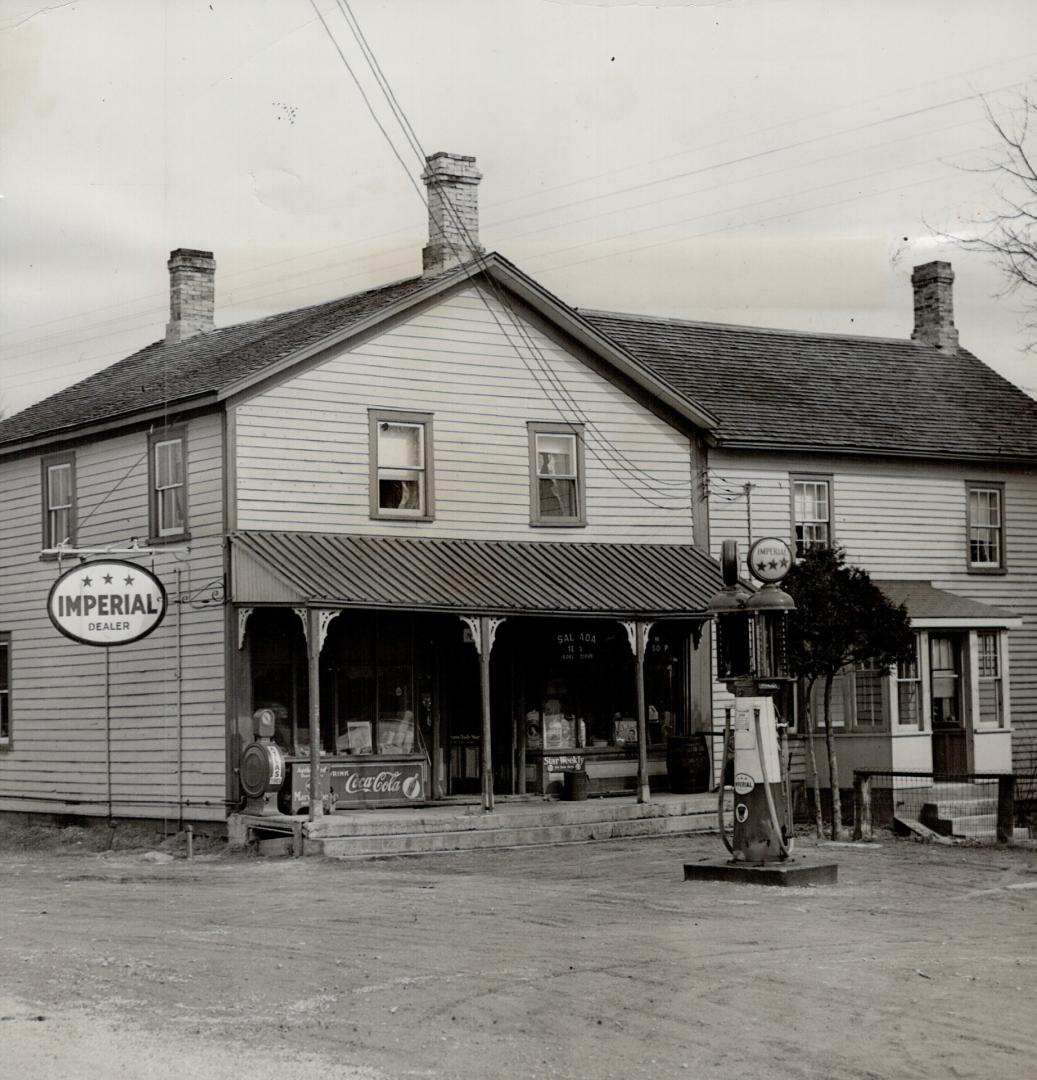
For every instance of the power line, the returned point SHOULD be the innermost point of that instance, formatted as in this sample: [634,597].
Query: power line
[459,224]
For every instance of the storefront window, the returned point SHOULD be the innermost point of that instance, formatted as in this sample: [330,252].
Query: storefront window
[368,685]
[277,653]
[580,689]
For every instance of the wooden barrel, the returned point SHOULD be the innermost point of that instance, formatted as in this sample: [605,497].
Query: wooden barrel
[687,763]
[575,785]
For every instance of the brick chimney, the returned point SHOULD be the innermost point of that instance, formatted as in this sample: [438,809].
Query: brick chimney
[453,211]
[192,289]
[934,306]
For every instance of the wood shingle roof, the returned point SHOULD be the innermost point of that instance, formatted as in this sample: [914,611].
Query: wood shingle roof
[787,390]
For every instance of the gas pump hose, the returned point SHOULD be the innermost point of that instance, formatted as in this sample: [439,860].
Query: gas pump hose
[723,774]
[785,849]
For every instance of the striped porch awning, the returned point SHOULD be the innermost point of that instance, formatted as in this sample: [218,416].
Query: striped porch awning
[490,577]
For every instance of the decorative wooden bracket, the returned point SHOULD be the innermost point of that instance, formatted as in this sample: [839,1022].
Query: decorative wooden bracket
[631,628]
[474,622]
[324,618]
[325,622]
[243,614]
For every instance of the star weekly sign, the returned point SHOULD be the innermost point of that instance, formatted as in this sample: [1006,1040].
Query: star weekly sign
[107,603]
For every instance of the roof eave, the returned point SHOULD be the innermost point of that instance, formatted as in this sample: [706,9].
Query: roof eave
[110,424]
[836,450]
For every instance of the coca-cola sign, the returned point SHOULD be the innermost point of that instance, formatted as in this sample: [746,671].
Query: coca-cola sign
[346,783]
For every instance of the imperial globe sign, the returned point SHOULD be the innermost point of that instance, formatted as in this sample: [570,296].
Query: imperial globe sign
[770,559]
[107,603]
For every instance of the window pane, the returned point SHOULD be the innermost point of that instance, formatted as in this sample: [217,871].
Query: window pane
[171,510]
[59,523]
[909,696]
[558,498]
[5,656]
[556,455]
[401,445]
[59,486]
[399,489]
[169,463]
[990,704]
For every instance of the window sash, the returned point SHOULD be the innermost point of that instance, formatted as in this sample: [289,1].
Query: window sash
[985,527]
[5,690]
[811,514]
[557,476]
[401,473]
[58,503]
[170,504]
[908,680]
[991,685]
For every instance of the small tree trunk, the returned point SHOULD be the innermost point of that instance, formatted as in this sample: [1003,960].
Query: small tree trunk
[819,824]
[833,765]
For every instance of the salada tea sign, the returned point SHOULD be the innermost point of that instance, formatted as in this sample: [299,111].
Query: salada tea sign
[107,603]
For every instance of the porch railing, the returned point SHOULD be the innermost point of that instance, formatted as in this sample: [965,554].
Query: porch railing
[965,807]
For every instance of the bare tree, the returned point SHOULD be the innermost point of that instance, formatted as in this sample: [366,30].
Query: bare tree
[1009,233]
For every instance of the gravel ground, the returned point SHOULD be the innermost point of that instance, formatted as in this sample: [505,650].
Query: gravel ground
[580,962]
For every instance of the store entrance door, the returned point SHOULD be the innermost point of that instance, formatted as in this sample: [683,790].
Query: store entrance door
[948,722]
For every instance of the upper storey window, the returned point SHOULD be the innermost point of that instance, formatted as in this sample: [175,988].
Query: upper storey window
[167,468]
[986,527]
[59,500]
[811,512]
[401,465]
[556,458]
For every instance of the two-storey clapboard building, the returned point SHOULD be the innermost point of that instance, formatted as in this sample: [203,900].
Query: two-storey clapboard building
[445,531]
[919,461]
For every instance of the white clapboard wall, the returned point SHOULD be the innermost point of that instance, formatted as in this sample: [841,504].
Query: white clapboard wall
[167,725]
[301,447]
[900,520]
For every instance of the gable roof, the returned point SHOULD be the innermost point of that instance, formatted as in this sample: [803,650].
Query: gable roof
[202,369]
[786,390]
[164,375]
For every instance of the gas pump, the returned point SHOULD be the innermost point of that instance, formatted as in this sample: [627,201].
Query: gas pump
[753,659]
[262,768]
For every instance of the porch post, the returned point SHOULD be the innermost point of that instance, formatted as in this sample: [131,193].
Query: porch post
[313,644]
[640,640]
[486,756]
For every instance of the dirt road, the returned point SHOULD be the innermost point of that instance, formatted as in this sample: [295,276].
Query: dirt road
[587,962]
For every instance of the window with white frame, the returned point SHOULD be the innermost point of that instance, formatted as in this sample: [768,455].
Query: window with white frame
[986,530]
[991,687]
[909,690]
[869,695]
[811,512]
[168,476]
[556,474]
[401,465]
[59,500]
[5,690]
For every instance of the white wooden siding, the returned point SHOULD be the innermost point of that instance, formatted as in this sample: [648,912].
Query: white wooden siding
[59,761]
[902,520]
[302,455]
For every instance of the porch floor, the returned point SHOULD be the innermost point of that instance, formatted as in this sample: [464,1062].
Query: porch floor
[462,825]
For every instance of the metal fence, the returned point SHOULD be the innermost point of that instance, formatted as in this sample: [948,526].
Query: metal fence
[974,808]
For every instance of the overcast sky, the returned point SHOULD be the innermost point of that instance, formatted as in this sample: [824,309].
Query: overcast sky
[772,162]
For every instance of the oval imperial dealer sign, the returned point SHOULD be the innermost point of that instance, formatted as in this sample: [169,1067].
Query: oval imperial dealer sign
[107,603]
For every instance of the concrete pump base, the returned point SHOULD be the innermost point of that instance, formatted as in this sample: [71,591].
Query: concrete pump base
[794,871]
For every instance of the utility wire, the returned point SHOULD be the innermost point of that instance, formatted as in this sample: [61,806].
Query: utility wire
[517,325]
